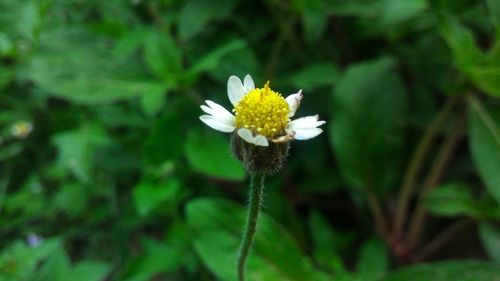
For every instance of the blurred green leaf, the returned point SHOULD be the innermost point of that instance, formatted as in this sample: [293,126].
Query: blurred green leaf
[490,237]
[366,8]
[346,276]
[86,75]
[373,260]
[10,150]
[71,199]
[149,196]
[493,7]
[213,58]
[32,191]
[163,57]
[166,140]
[157,257]
[462,43]
[217,227]
[456,199]
[494,53]
[58,268]
[196,15]
[482,69]
[365,132]
[208,152]
[360,8]
[315,24]
[76,149]
[5,45]
[18,261]
[484,142]
[451,199]
[152,100]
[328,243]
[447,271]
[388,15]
[239,62]
[487,78]
[379,17]
[6,75]
[20,19]
[131,41]
[314,18]
[314,76]
[90,270]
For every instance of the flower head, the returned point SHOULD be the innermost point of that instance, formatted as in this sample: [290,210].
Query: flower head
[21,129]
[261,125]
[261,114]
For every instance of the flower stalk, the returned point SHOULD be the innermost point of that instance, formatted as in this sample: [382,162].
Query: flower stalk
[255,201]
[261,131]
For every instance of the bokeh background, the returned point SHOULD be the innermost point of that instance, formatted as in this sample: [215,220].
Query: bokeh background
[106,172]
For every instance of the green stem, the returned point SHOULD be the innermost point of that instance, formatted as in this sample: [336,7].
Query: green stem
[256,191]
[378,216]
[484,115]
[435,174]
[416,164]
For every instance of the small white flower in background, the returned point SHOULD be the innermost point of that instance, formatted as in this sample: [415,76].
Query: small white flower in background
[261,115]
[21,129]
[33,240]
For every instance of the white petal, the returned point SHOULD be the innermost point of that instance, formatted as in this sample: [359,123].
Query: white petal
[305,127]
[235,89]
[248,83]
[305,134]
[207,109]
[217,124]
[246,135]
[305,123]
[261,140]
[294,102]
[219,112]
[219,108]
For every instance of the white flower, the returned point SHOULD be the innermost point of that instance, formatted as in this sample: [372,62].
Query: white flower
[21,129]
[261,115]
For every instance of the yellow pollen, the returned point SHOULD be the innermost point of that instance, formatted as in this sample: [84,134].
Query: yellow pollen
[263,111]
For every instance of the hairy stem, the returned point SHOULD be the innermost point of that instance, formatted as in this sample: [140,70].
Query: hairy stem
[256,191]
[415,166]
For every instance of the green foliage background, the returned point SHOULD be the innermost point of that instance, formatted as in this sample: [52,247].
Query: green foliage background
[121,181]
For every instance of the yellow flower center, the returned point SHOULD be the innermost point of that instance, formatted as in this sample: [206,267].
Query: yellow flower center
[263,111]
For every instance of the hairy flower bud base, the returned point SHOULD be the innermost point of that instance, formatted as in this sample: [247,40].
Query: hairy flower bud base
[265,160]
